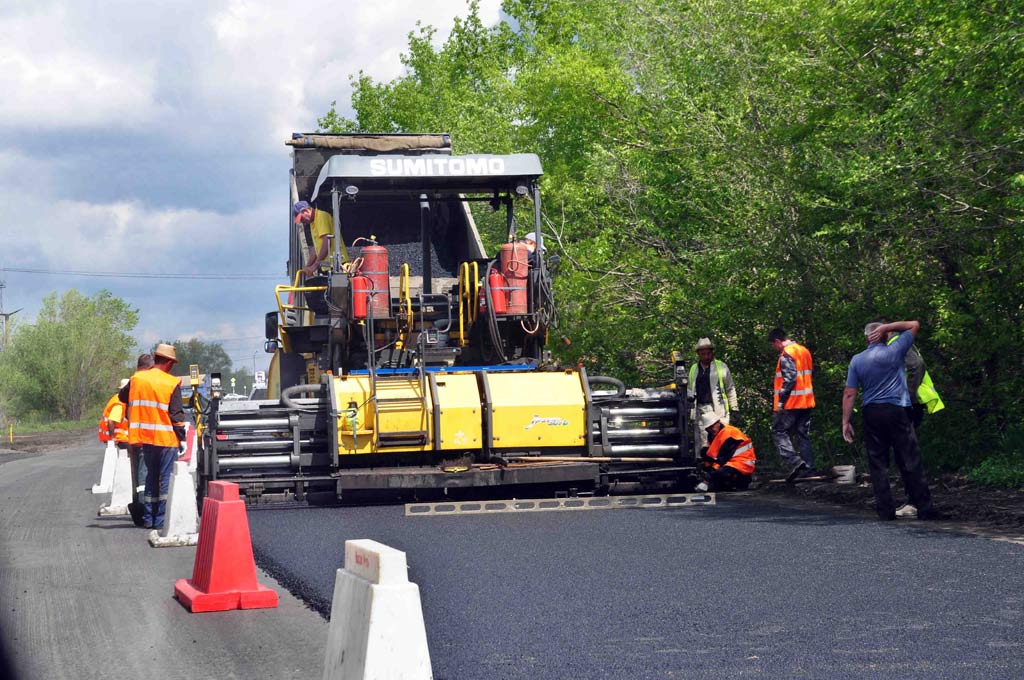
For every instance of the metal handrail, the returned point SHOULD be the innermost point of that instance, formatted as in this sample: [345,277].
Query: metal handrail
[282,306]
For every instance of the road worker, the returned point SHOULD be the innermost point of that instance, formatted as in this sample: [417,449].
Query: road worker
[729,461]
[138,464]
[113,425]
[793,403]
[316,230]
[923,395]
[157,424]
[711,391]
[879,372]
[530,241]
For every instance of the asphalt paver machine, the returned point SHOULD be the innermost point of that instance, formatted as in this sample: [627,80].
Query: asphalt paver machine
[413,363]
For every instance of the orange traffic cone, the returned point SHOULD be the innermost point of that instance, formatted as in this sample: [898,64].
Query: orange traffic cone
[224,573]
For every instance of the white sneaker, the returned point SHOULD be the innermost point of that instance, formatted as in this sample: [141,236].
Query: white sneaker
[907,511]
[704,487]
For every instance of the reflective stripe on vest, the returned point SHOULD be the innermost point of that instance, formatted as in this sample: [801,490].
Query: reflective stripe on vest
[743,459]
[802,395]
[149,397]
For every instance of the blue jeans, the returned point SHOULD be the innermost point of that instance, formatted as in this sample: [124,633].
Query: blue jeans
[159,466]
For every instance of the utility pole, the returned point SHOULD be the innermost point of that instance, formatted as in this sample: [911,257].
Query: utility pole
[6,316]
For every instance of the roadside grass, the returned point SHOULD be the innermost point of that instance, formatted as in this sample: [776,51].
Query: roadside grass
[1004,467]
[34,427]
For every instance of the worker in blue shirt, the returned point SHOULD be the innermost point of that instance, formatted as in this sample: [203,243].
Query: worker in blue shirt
[879,372]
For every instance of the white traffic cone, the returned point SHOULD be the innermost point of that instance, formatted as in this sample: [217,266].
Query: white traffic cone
[181,519]
[106,484]
[376,628]
[121,495]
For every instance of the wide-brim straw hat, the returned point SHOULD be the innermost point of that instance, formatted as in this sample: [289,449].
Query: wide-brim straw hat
[166,351]
[704,343]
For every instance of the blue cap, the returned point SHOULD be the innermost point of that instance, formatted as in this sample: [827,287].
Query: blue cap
[299,207]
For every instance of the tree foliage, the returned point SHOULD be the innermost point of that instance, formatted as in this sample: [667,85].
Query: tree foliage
[71,359]
[720,168]
[209,356]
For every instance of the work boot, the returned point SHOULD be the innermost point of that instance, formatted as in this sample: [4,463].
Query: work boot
[796,472]
[906,511]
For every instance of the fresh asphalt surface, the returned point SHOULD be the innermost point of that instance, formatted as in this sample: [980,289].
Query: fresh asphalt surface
[739,589]
[747,587]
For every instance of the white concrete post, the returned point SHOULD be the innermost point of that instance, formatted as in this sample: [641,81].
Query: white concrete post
[377,628]
[121,494]
[181,519]
[106,484]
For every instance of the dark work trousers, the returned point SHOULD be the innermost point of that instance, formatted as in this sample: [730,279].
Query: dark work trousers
[728,478]
[791,432]
[888,426]
[138,470]
[916,413]
[159,465]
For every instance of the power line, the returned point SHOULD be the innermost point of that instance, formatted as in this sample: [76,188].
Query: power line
[142,275]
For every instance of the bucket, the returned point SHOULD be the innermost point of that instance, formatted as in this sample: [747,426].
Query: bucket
[844,474]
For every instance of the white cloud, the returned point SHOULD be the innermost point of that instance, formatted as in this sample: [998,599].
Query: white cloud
[162,82]
[229,72]
[54,76]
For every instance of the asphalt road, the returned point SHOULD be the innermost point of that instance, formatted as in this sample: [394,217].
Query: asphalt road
[87,597]
[744,588]
[747,587]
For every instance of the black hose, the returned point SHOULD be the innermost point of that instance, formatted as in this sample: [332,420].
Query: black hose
[289,392]
[620,386]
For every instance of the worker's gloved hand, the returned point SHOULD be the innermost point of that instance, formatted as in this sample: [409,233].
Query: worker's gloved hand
[735,420]
[182,447]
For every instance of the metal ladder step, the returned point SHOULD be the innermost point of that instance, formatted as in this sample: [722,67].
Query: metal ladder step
[410,438]
[396,400]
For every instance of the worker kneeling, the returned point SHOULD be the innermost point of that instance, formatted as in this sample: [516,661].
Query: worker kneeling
[729,460]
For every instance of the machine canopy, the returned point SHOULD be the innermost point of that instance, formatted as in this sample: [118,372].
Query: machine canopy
[438,172]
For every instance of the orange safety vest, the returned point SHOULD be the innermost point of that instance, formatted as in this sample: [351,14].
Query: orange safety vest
[743,458]
[802,395]
[121,432]
[149,397]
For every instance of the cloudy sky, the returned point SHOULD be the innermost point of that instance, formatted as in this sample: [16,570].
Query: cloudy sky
[148,138]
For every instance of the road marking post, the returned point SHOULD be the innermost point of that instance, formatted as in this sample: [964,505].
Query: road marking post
[181,522]
[106,484]
[377,628]
[121,494]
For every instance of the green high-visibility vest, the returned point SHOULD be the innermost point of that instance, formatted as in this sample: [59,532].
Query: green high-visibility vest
[927,395]
[721,383]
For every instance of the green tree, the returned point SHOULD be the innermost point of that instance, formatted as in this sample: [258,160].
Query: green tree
[70,360]
[720,168]
[210,356]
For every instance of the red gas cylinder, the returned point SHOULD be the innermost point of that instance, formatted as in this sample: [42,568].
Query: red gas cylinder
[360,292]
[499,292]
[515,267]
[375,268]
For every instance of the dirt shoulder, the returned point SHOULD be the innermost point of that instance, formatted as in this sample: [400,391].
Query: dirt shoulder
[41,442]
[963,500]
